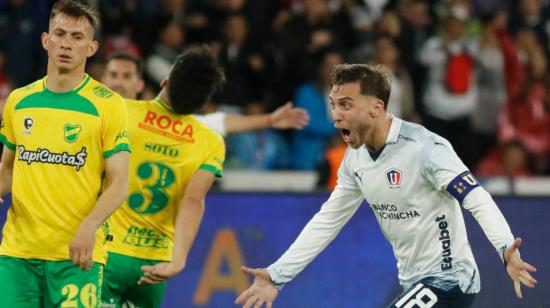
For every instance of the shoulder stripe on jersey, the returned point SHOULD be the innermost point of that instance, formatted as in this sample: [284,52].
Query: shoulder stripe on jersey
[119,148]
[83,84]
[212,169]
[67,101]
[8,144]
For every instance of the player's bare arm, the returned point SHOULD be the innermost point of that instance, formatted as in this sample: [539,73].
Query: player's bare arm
[518,270]
[261,292]
[82,246]
[188,220]
[284,117]
[6,171]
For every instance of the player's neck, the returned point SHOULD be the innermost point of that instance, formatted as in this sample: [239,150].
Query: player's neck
[378,134]
[63,81]
[163,96]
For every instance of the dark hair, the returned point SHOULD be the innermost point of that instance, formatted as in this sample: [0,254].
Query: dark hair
[76,8]
[121,55]
[194,78]
[375,80]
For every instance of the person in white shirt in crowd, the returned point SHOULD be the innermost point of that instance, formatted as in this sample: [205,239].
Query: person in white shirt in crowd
[414,182]
[451,91]
[123,74]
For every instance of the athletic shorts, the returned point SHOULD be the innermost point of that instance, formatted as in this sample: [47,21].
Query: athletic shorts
[31,283]
[122,274]
[422,295]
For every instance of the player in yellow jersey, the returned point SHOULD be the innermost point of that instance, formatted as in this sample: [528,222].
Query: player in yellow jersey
[64,136]
[174,162]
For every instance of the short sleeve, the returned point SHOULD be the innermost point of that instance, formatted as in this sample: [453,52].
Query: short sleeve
[7,137]
[215,121]
[444,169]
[215,157]
[114,135]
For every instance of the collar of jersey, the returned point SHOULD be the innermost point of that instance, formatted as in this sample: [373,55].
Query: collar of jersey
[163,104]
[75,90]
[395,127]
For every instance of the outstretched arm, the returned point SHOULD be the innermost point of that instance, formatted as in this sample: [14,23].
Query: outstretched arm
[315,236]
[495,227]
[284,117]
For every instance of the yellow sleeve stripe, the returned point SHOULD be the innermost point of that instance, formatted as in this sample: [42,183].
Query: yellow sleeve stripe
[212,169]
[119,147]
[8,144]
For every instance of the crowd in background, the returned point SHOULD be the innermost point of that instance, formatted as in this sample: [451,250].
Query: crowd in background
[475,72]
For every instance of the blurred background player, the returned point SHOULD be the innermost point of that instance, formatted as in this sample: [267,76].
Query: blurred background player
[123,74]
[414,182]
[174,164]
[62,135]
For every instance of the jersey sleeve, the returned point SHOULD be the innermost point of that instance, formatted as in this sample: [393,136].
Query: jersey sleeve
[320,230]
[215,155]
[7,136]
[444,169]
[114,135]
[215,121]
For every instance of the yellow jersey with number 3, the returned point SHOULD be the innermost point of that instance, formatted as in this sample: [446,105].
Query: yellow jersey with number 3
[167,149]
[61,141]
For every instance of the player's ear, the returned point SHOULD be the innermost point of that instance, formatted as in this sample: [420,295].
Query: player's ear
[92,48]
[44,39]
[378,107]
[164,83]
[140,86]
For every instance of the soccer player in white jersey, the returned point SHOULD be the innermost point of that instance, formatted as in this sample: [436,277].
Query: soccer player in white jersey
[414,182]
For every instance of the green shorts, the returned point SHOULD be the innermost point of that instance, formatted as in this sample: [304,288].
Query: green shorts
[30,283]
[122,274]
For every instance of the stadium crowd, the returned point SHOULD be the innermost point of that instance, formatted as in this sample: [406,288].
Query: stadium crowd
[475,72]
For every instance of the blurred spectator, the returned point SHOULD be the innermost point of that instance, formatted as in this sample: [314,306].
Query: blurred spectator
[359,17]
[259,150]
[244,65]
[529,14]
[451,93]
[401,102]
[496,49]
[160,61]
[508,160]
[526,117]
[416,24]
[308,145]
[305,33]
[21,24]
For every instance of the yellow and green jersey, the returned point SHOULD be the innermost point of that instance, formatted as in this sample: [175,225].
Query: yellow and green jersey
[61,141]
[167,149]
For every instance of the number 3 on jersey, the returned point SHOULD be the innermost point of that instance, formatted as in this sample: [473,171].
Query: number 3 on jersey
[153,197]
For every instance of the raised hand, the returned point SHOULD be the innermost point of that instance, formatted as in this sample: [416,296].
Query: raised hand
[261,292]
[517,269]
[287,117]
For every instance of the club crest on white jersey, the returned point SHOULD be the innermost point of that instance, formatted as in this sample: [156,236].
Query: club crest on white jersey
[394,177]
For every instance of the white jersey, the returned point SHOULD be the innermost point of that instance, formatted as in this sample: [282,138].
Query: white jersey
[215,121]
[414,187]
